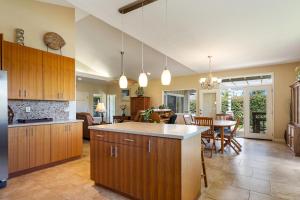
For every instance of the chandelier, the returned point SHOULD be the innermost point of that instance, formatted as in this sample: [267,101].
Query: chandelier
[210,82]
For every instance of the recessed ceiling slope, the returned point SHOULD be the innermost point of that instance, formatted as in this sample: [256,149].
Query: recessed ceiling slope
[98,47]
[237,33]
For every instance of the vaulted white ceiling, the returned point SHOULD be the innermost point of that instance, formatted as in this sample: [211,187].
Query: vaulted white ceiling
[236,33]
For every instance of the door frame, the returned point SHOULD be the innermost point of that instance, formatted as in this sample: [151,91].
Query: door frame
[218,99]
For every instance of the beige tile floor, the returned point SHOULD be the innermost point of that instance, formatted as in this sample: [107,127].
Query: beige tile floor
[263,171]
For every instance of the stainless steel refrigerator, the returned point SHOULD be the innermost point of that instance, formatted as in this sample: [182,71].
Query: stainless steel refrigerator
[3,129]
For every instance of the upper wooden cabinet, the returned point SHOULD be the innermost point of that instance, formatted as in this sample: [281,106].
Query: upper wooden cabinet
[59,77]
[38,75]
[137,104]
[24,67]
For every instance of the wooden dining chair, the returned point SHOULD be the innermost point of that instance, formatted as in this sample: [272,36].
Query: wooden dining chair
[204,175]
[230,138]
[222,116]
[209,134]
[187,119]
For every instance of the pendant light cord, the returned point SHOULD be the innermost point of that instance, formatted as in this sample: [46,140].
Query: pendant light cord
[166,31]
[142,37]
[122,45]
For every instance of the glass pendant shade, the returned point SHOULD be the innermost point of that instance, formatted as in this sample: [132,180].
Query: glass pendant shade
[165,77]
[123,83]
[143,79]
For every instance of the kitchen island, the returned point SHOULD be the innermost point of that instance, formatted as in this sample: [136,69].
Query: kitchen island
[148,161]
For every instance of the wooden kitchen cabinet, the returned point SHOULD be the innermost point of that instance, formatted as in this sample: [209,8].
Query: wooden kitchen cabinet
[68,68]
[52,76]
[59,134]
[59,77]
[39,145]
[141,167]
[74,144]
[18,149]
[66,141]
[28,147]
[37,75]
[24,66]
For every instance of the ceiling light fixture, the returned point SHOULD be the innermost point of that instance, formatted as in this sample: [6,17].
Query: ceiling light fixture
[166,74]
[123,83]
[143,79]
[210,82]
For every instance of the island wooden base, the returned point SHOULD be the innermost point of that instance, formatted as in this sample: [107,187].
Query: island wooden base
[146,167]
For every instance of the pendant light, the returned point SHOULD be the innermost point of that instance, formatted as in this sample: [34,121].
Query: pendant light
[143,79]
[123,83]
[166,74]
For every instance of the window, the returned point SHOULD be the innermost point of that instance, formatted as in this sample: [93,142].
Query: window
[181,101]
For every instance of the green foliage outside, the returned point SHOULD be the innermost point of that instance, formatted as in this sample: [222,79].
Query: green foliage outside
[193,106]
[237,103]
[258,103]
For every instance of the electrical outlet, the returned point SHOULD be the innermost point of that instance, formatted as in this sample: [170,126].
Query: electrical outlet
[27,109]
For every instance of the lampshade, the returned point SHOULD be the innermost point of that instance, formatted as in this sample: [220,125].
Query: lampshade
[166,77]
[100,107]
[123,82]
[143,80]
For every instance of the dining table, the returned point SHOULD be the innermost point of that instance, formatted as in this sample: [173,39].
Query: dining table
[222,124]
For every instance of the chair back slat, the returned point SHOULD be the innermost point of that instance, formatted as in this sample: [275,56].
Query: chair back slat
[222,116]
[205,121]
[187,119]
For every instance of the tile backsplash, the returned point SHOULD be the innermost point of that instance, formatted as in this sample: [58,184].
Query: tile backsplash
[57,110]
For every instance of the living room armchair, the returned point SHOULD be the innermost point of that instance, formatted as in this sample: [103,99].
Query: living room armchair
[88,120]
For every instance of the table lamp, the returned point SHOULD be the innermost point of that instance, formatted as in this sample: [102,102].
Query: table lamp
[101,109]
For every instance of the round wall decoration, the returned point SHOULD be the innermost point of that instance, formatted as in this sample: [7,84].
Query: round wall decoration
[54,41]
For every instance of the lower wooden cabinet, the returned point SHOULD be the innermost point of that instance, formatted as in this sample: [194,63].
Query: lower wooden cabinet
[141,167]
[34,146]
[28,147]
[293,138]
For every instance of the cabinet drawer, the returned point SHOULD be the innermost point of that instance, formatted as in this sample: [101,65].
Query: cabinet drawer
[120,138]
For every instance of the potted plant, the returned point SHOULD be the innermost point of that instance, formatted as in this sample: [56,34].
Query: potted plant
[139,92]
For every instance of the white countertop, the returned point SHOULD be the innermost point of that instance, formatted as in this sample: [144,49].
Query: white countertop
[176,131]
[44,123]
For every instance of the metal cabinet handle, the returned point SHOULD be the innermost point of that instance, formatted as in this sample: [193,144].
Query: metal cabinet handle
[129,140]
[111,151]
[149,146]
[24,93]
[116,152]
[26,131]
[100,136]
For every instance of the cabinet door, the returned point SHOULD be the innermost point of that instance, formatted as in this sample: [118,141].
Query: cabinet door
[75,140]
[68,73]
[129,170]
[161,170]
[12,63]
[51,76]
[32,74]
[39,145]
[102,163]
[59,136]
[18,149]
